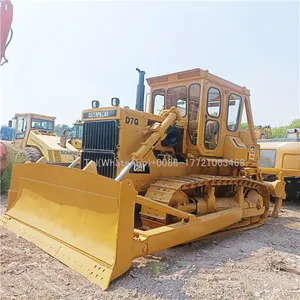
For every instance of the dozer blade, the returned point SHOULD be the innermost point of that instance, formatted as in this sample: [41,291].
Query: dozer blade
[82,219]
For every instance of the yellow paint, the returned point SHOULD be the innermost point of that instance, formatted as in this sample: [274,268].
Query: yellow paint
[287,157]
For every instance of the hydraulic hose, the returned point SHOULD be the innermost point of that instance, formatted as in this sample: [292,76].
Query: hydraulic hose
[7,44]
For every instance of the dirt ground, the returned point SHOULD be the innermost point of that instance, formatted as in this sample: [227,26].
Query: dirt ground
[262,263]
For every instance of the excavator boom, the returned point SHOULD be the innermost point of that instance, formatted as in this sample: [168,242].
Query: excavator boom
[6,17]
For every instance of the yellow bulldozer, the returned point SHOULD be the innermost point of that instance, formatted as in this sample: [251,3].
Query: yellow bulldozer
[34,133]
[149,180]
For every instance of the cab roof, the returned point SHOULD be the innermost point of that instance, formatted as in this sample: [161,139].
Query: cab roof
[33,115]
[195,74]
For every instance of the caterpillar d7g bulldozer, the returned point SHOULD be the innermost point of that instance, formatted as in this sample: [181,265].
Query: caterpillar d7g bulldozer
[148,180]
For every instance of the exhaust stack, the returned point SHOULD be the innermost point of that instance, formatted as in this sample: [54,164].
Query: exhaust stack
[140,92]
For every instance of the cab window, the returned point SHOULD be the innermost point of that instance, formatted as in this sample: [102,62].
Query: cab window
[213,102]
[158,101]
[267,158]
[21,127]
[211,135]
[42,124]
[77,131]
[177,96]
[80,131]
[233,113]
[194,102]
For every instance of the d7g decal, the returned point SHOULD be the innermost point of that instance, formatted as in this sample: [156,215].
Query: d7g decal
[131,120]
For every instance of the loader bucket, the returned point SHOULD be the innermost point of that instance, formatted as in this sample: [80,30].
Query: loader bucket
[83,219]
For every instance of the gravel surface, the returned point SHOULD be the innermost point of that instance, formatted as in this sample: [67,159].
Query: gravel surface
[262,263]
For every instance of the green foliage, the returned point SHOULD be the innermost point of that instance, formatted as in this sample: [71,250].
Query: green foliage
[60,128]
[154,268]
[13,157]
[244,126]
[295,124]
[280,132]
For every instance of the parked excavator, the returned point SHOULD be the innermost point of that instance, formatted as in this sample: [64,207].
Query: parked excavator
[34,133]
[6,32]
[148,181]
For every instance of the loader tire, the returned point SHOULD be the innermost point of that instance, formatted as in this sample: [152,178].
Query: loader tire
[33,154]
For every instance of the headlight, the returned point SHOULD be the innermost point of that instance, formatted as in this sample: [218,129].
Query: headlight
[115,101]
[95,104]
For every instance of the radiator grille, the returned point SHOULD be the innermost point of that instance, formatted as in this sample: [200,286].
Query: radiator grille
[101,135]
[99,143]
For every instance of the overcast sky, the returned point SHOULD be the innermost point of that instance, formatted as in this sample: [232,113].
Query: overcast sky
[64,54]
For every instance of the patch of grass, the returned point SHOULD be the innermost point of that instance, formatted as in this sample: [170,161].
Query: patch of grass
[154,268]
[14,156]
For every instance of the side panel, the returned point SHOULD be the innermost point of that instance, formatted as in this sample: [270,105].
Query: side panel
[283,156]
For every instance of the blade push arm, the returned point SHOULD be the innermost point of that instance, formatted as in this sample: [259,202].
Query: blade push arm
[158,134]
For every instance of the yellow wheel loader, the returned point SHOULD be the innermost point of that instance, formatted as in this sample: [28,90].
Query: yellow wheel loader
[149,180]
[34,134]
[76,135]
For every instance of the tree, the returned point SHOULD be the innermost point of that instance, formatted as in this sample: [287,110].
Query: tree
[60,128]
[280,132]
[244,126]
[295,124]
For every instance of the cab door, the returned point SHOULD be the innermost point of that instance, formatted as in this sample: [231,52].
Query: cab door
[210,121]
[20,131]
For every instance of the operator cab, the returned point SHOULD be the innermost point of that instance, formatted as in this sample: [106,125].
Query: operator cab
[77,130]
[209,127]
[211,107]
[23,123]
